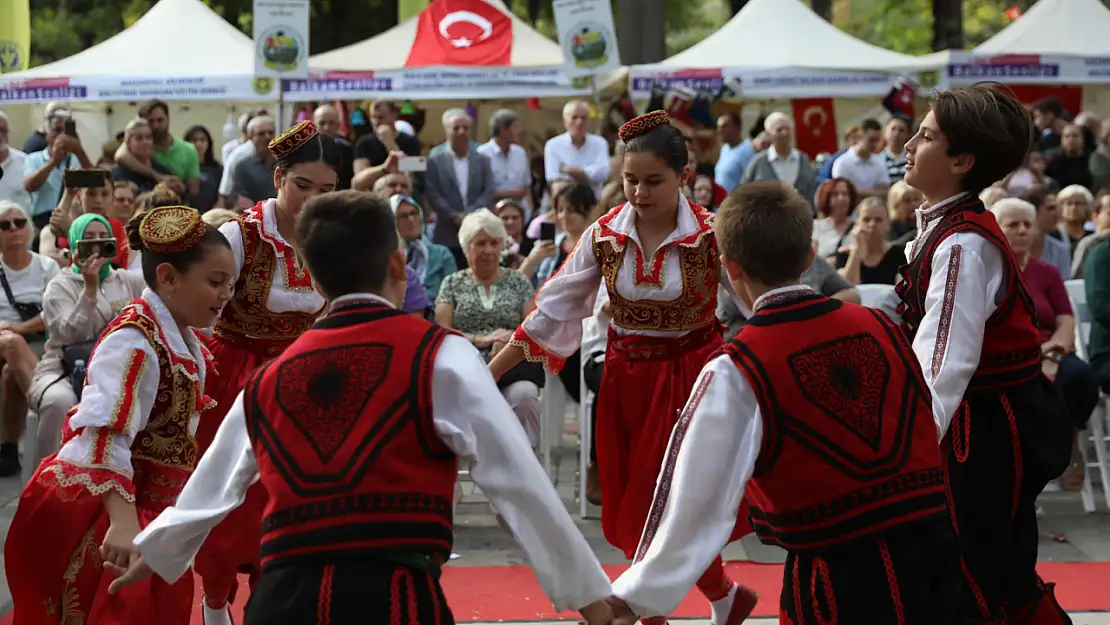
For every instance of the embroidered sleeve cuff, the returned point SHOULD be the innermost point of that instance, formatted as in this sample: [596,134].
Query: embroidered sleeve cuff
[534,352]
[73,481]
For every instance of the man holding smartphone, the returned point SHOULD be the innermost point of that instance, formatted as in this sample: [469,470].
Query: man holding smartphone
[43,171]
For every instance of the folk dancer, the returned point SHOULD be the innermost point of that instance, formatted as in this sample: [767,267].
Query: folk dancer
[128,447]
[973,324]
[811,391]
[658,259]
[273,303]
[355,431]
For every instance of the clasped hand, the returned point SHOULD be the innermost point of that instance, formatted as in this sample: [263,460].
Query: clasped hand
[610,611]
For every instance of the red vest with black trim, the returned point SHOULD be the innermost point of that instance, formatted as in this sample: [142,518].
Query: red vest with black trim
[1011,342]
[341,426]
[849,442]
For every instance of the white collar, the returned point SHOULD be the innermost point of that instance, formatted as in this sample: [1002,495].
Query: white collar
[269,220]
[926,213]
[353,297]
[624,223]
[773,154]
[182,345]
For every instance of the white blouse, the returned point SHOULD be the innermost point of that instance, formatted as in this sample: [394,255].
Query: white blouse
[472,418]
[282,297]
[568,297]
[117,356]
[965,287]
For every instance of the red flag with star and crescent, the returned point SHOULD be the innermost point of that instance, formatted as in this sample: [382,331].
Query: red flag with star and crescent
[462,32]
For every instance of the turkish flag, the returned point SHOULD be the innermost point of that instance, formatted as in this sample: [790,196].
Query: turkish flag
[462,32]
[815,126]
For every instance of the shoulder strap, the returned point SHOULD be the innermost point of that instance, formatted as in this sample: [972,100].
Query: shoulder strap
[7,287]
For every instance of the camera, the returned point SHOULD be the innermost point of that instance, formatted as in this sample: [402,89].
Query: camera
[105,248]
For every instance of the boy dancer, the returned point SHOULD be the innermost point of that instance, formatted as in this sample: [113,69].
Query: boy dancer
[355,431]
[973,323]
[811,392]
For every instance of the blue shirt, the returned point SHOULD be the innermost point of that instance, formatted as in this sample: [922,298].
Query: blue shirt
[826,169]
[46,197]
[731,164]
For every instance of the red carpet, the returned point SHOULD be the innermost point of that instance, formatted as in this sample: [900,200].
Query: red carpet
[510,593]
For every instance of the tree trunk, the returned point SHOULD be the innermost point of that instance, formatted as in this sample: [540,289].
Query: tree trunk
[642,31]
[948,25]
[736,5]
[823,8]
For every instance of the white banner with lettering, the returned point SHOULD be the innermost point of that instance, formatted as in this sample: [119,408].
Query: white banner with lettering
[769,83]
[434,83]
[281,38]
[966,68]
[116,88]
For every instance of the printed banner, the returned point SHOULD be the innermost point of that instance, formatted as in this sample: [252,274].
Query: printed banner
[15,35]
[587,36]
[281,38]
[434,82]
[462,32]
[772,83]
[965,68]
[114,88]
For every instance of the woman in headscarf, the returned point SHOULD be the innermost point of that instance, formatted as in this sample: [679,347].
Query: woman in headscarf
[431,261]
[76,307]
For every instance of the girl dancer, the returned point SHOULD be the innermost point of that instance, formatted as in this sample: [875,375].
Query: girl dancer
[128,446]
[658,260]
[273,303]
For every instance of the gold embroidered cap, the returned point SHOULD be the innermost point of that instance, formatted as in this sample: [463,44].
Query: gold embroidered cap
[643,124]
[291,140]
[171,229]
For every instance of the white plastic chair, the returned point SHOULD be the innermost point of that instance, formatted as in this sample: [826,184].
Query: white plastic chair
[880,297]
[1095,434]
[30,461]
[554,402]
[585,442]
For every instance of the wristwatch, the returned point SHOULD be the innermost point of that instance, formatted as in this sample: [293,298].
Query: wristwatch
[1054,356]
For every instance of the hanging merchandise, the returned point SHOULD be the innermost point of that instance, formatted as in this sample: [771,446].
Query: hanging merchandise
[358,118]
[658,96]
[900,101]
[407,108]
[730,89]
[699,110]
[533,104]
[682,98]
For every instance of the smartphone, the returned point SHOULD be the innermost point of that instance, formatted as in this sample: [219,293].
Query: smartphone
[71,127]
[85,178]
[106,248]
[412,164]
[547,231]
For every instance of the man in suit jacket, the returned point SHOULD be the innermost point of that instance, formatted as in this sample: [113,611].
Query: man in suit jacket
[782,161]
[458,181]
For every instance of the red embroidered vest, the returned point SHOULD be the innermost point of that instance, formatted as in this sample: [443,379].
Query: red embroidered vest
[164,453]
[246,321]
[341,426]
[849,442]
[1011,343]
[700,267]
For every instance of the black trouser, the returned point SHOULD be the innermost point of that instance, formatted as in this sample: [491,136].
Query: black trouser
[908,576]
[999,454]
[348,592]
[592,370]
[40,221]
[1077,383]
[571,376]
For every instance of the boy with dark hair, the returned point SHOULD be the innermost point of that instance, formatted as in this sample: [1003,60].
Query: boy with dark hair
[973,323]
[355,431]
[811,390]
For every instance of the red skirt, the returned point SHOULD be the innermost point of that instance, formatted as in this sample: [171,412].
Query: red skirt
[645,384]
[52,553]
[233,545]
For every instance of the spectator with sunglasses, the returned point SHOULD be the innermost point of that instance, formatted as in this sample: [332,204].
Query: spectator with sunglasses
[23,278]
[431,262]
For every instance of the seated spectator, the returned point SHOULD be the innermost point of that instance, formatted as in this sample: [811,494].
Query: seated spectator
[1075,211]
[24,274]
[486,303]
[820,277]
[1029,175]
[77,306]
[835,199]
[1049,249]
[902,202]
[123,200]
[1069,163]
[703,193]
[548,216]
[416,301]
[430,262]
[990,195]
[513,217]
[93,200]
[393,183]
[1102,233]
[211,171]
[1074,378]
[140,144]
[863,164]
[870,257]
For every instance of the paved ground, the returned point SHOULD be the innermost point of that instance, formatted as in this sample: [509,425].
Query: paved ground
[1067,535]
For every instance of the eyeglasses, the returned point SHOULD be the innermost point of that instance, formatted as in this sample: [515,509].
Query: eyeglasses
[6,225]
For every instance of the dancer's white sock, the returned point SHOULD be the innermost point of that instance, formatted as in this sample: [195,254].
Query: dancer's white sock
[216,617]
[722,607]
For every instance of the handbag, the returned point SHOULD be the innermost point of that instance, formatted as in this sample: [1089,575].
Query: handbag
[26,312]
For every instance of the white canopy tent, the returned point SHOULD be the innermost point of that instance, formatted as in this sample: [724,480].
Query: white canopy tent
[376,68]
[779,48]
[1055,27]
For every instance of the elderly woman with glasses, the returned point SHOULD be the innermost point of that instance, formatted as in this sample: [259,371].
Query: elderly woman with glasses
[431,262]
[486,302]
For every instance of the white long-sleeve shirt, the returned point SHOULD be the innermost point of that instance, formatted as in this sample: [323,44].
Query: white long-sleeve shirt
[965,288]
[472,419]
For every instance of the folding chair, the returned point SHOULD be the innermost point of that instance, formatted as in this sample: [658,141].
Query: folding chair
[1095,434]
